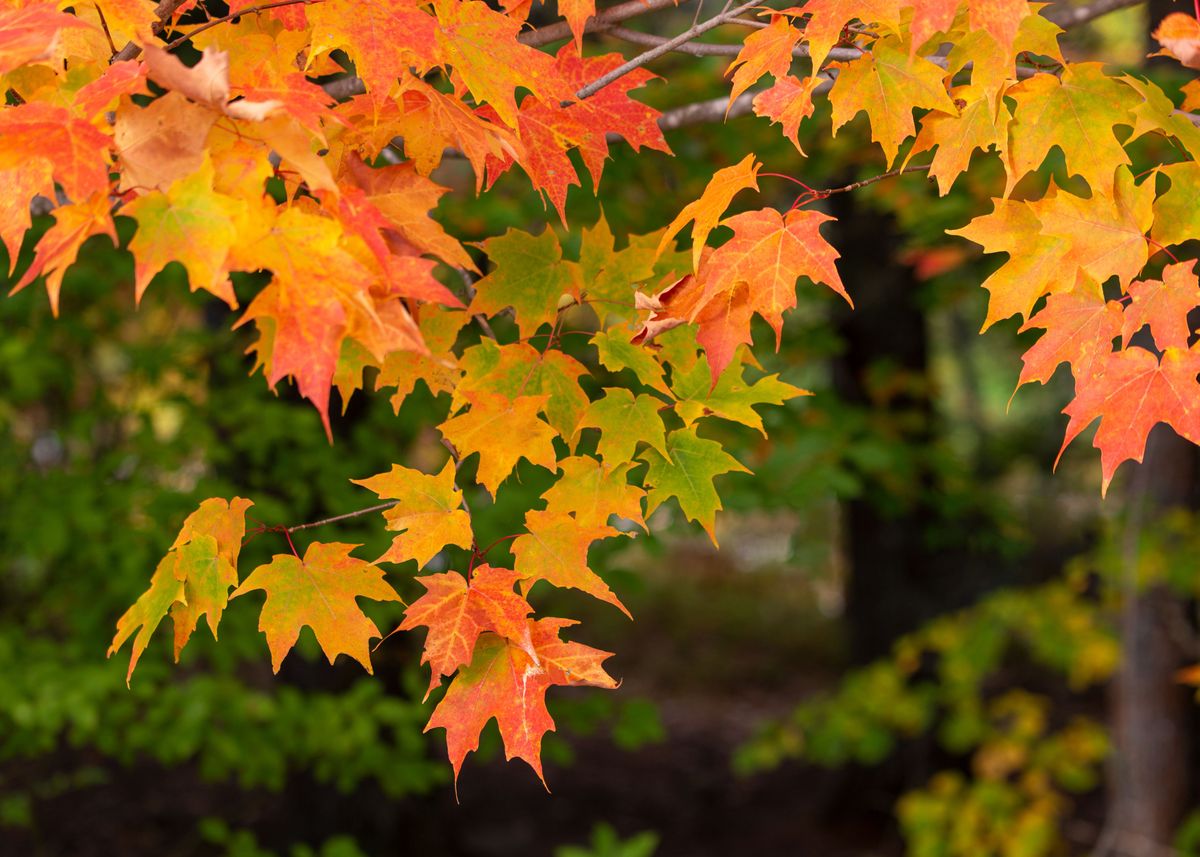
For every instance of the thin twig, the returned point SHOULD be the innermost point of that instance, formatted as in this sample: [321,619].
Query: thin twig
[379,507]
[826,192]
[1073,16]
[251,10]
[478,318]
[163,11]
[562,30]
[666,47]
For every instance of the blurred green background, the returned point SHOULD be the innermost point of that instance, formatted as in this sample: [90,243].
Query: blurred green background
[905,645]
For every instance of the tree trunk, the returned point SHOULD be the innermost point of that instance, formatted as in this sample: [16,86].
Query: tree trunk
[1150,711]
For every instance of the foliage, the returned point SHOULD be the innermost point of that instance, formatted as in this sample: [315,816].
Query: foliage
[277,179]
[607,843]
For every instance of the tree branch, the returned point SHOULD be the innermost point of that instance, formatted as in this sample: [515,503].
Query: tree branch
[666,47]
[378,507]
[612,15]
[707,49]
[163,11]
[826,192]
[208,25]
[1073,16]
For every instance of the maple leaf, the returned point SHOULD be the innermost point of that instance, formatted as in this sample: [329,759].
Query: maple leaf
[438,369]
[502,431]
[457,612]
[482,46]
[769,252]
[530,276]
[577,13]
[161,143]
[1105,236]
[383,39]
[1131,392]
[518,369]
[319,295]
[610,276]
[625,421]
[503,682]
[828,18]
[1035,264]
[1077,114]
[617,351]
[30,34]
[146,613]
[191,224]
[405,198]
[980,125]
[708,209]
[930,17]
[427,514]
[191,581]
[765,51]
[103,93]
[1080,327]
[430,122]
[888,83]
[732,398]
[555,549]
[1001,18]
[41,134]
[23,185]
[319,591]
[1179,35]
[686,473]
[787,102]
[1176,215]
[610,110]
[593,491]
[1164,306]
[73,225]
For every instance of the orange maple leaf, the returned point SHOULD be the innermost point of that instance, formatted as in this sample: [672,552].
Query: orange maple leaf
[504,682]
[319,591]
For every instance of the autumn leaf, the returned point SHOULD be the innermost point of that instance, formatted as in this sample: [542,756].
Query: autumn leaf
[427,513]
[161,143]
[828,18]
[482,47]
[503,682]
[1179,35]
[457,612]
[708,209]
[593,491]
[555,549]
[30,34]
[502,431]
[732,398]
[1164,306]
[74,224]
[1036,261]
[609,276]
[1131,391]
[74,151]
[617,352]
[788,102]
[765,51]
[980,126]
[519,369]
[1076,113]
[530,277]
[1080,328]
[319,591]
[888,83]
[383,39]
[1176,215]
[190,224]
[191,581]
[686,473]
[625,421]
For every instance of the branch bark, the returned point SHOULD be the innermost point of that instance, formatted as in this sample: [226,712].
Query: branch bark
[163,11]
[666,47]
[612,15]
[1073,16]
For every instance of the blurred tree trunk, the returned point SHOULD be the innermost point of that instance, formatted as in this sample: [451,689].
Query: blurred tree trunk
[899,576]
[1150,711]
